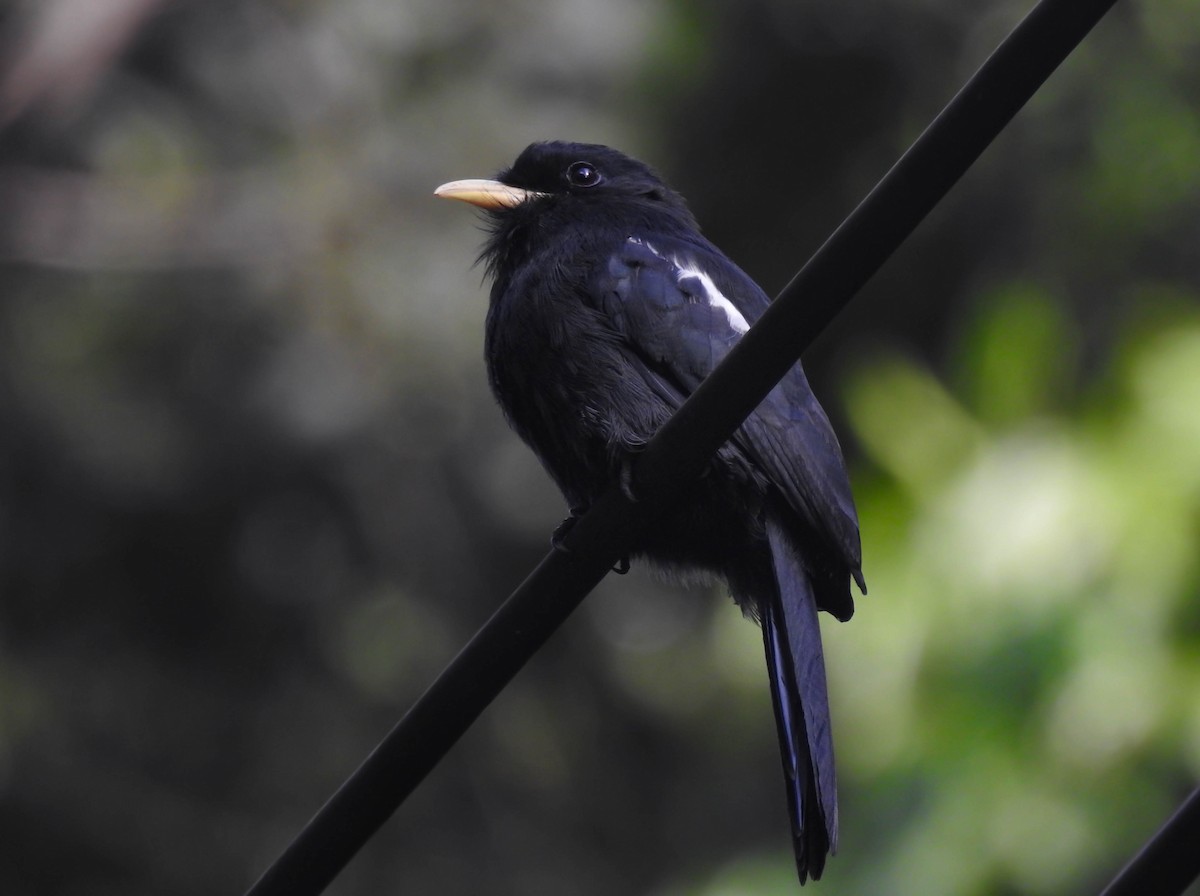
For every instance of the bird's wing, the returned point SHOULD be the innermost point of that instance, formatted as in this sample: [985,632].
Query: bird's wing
[682,306]
[668,310]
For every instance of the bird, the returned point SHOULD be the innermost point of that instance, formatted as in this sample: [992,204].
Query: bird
[608,307]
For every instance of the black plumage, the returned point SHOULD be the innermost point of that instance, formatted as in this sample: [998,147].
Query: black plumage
[608,308]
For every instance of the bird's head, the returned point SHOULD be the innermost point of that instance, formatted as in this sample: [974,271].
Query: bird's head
[579,173]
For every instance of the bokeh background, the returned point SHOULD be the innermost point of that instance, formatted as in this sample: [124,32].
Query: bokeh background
[254,494]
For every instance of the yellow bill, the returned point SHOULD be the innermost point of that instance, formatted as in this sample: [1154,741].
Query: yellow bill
[485,193]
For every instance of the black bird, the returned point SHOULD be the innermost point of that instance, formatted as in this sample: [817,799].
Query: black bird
[607,310]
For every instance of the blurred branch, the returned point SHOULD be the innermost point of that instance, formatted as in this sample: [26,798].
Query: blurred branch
[66,49]
[75,220]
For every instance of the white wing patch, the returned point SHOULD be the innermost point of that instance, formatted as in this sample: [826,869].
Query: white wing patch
[712,295]
[715,297]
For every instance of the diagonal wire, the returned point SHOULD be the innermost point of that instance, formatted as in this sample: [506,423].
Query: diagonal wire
[681,449]
[1170,862]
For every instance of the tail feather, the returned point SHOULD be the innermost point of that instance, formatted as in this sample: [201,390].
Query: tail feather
[796,664]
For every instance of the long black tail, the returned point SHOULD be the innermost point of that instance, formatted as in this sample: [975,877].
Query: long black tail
[796,666]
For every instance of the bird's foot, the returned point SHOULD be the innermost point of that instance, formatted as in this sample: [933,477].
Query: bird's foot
[558,537]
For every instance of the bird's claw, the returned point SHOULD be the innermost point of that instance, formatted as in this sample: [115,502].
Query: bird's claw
[559,535]
[625,479]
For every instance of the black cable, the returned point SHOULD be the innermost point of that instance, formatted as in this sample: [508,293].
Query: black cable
[680,450]
[1170,862]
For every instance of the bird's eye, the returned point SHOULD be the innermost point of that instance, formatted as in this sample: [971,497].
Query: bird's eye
[583,174]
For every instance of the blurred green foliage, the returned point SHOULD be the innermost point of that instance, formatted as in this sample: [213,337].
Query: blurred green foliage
[1039,576]
[1019,703]
[254,495]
